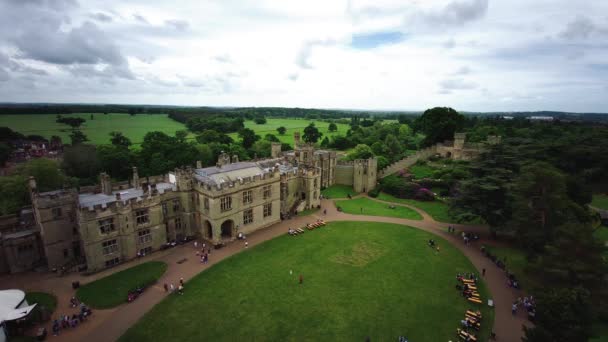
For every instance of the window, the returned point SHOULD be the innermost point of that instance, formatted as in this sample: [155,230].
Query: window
[106,225]
[267,209]
[112,262]
[226,203]
[164,209]
[144,236]
[248,216]
[56,212]
[198,199]
[206,203]
[141,216]
[175,205]
[178,223]
[109,247]
[247,196]
[145,251]
[267,191]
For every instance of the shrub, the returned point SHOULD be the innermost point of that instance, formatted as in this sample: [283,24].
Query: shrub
[424,194]
[374,193]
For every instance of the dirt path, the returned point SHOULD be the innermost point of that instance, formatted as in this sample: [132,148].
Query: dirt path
[109,325]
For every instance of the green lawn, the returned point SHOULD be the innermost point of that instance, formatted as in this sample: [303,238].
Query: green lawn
[97,130]
[600,201]
[47,300]
[437,209]
[360,279]
[601,233]
[338,191]
[112,290]
[292,126]
[422,171]
[374,208]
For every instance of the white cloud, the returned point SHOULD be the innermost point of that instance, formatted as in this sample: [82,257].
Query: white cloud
[469,54]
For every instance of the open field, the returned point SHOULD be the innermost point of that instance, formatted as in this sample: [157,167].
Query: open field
[360,279]
[97,130]
[112,290]
[437,208]
[366,206]
[292,126]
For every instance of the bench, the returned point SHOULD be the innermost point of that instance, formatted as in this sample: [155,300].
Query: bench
[299,230]
[468,281]
[471,287]
[473,314]
[465,335]
[472,318]
[474,324]
[474,300]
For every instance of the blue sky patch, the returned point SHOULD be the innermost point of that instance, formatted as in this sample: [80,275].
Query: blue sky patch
[373,40]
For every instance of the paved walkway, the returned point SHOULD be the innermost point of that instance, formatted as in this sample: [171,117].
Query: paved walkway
[109,325]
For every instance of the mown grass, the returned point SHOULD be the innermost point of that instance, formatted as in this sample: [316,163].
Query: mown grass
[112,290]
[47,300]
[360,279]
[366,206]
[338,191]
[97,130]
[600,201]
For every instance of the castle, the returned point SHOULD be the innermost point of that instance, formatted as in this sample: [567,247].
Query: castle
[98,227]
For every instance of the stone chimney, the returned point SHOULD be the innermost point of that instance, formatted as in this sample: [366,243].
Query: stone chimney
[153,189]
[235,159]
[275,150]
[223,159]
[118,196]
[135,178]
[145,188]
[199,164]
[106,183]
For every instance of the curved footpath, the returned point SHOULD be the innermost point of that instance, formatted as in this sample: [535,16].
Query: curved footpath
[109,325]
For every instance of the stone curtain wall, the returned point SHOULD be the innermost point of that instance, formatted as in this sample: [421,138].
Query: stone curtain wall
[344,174]
[408,161]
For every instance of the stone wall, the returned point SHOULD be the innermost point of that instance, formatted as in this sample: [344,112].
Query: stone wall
[408,161]
[344,174]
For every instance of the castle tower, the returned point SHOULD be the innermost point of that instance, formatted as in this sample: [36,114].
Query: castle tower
[365,174]
[106,183]
[275,150]
[135,178]
[459,139]
[296,139]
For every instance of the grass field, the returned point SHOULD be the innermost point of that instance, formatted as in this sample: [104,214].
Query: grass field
[600,201]
[338,191]
[360,279]
[112,290]
[43,299]
[422,171]
[366,206]
[292,126]
[97,130]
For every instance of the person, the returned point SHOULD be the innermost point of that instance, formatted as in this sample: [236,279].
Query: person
[180,289]
[483,272]
[166,287]
[246,244]
[172,287]
[361,209]
[324,211]
[195,244]
[181,281]
[301,279]
[55,328]
[514,308]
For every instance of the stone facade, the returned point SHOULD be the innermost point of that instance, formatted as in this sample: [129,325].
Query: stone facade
[101,226]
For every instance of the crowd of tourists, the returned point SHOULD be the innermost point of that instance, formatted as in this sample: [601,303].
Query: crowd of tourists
[73,321]
[512,280]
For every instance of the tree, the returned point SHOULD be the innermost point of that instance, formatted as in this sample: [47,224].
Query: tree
[181,135]
[360,151]
[161,153]
[77,137]
[205,155]
[311,133]
[332,127]
[5,153]
[562,314]
[45,171]
[117,160]
[248,137]
[439,124]
[13,194]
[404,131]
[260,120]
[394,146]
[212,136]
[118,139]
[271,138]
[281,130]
[73,122]
[261,149]
[81,161]
[325,142]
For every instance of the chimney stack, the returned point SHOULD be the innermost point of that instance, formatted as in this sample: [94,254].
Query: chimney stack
[118,196]
[135,178]
[199,164]
[296,138]
[106,183]
[235,159]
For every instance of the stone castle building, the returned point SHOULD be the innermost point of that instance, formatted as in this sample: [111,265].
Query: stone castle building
[102,226]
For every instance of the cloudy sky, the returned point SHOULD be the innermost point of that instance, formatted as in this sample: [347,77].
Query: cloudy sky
[475,55]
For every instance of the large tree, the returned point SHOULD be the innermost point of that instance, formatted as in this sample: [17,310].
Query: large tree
[13,194]
[439,124]
[81,161]
[281,130]
[46,172]
[332,127]
[118,139]
[77,137]
[361,151]
[248,137]
[116,160]
[311,133]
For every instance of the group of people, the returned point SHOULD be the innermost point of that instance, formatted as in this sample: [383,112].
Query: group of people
[433,245]
[133,294]
[204,253]
[469,237]
[502,264]
[528,304]
[66,321]
[170,288]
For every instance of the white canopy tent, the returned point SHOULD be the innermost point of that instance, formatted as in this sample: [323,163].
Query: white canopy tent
[13,306]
